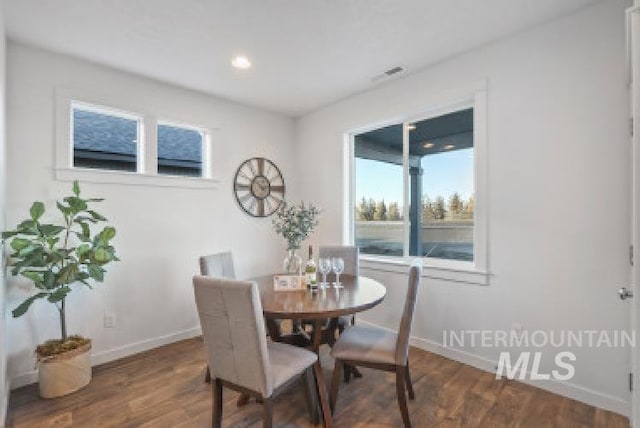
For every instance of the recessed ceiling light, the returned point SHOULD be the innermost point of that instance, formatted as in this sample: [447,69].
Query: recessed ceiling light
[449,147]
[241,62]
[428,145]
[411,126]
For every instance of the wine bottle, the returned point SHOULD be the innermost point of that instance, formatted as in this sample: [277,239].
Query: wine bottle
[311,269]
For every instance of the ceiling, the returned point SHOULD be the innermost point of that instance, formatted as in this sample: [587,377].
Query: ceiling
[305,53]
[446,133]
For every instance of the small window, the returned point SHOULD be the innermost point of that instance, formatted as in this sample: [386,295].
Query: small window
[179,150]
[103,139]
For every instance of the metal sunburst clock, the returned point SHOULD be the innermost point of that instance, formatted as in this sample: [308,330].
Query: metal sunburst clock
[259,187]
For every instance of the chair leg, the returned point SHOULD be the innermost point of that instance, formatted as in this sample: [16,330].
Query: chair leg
[217,404]
[207,375]
[407,379]
[267,408]
[335,383]
[322,393]
[243,399]
[311,395]
[402,398]
[347,373]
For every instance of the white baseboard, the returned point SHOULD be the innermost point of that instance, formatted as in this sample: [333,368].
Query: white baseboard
[102,357]
[566,389]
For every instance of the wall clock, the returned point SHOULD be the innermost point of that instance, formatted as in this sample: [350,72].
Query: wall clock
[259,187]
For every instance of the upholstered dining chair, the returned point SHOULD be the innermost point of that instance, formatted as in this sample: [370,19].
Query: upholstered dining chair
[219,265]
[381,349]
[239,354]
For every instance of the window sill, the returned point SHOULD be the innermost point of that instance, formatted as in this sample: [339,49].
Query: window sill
[134,178]
[464,272]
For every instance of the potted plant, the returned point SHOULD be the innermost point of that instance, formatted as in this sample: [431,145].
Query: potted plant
[295,224]
[56,257]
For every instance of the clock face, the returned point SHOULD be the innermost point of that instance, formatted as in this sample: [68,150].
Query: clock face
[259,187]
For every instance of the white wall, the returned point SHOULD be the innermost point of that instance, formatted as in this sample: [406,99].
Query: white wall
[161,231]
[558,152]
[4,381]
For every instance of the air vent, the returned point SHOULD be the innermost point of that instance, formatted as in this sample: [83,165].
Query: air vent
[389,73]
[394,70]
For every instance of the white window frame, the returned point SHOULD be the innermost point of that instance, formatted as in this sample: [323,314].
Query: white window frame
[147,146]
[475,272]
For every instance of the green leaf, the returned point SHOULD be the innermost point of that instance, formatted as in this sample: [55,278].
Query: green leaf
[76,204]
[101,256]
[96,216]
[59,294]
[20,243]
[9,234]
[83,249]
[22,308]
[82,218]
[85,230]
[27,225]
[50,229]
[29,249]
[63,209]
[33,276]
[76,188]
[82,237]
[36,211]
[49,279]
[67,274]
[107,234]
[96,272]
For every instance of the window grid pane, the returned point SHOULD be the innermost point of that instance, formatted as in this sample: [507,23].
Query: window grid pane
[379,226]
[104,141]
[179,151]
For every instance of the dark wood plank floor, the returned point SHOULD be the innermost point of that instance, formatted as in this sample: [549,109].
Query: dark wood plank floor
[164,388]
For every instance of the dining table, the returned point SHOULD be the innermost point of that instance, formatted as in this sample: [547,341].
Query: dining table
[322,306]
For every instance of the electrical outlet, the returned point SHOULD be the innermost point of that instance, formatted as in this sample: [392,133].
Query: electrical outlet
[109,320]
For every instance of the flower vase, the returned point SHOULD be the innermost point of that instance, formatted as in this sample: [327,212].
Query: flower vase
[293,263]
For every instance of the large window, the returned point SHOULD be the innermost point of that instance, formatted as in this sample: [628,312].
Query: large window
[104,139]
[415,188]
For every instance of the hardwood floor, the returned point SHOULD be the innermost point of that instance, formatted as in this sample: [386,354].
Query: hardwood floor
[164,388]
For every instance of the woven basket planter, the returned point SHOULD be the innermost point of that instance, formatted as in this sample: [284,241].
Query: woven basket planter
[63,374]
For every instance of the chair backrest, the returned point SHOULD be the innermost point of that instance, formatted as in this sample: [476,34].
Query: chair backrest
[404,332]
[347,252]
[233,329]
[219,265]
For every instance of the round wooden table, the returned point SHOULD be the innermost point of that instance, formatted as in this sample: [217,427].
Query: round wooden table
[358,294]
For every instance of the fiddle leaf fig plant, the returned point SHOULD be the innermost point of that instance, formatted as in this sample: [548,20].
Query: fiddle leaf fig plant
[57,256]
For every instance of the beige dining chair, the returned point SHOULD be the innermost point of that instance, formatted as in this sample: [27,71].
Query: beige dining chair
[381,349]
[219,265]
[239,354]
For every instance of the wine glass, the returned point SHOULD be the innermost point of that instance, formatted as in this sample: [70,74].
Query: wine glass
[337,264]
[324,265]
